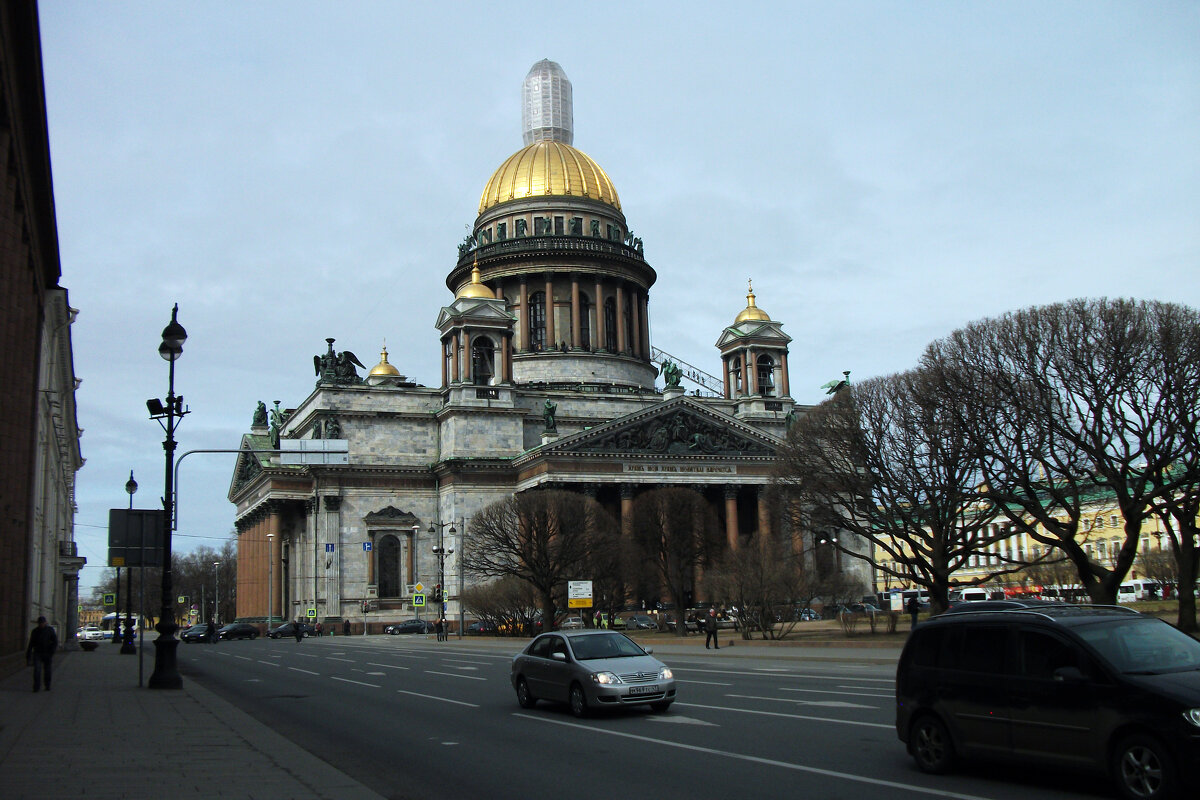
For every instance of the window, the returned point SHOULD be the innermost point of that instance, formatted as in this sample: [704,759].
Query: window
[585,323]
[482,361]
[610,325]
[558,226]
[614,233]
[501,231]
[1114,521]
[537,321]
[735,376]
[1041,654]
[765,375]
[388,555]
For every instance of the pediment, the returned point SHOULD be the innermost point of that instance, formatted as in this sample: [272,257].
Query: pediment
[477,310]
[682,426]
[249,464]
[754,331]
[392,517]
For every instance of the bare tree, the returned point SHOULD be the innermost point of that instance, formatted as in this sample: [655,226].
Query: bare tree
[1061,401]
[886,461]
[509,603]
[544,538]
[677,532]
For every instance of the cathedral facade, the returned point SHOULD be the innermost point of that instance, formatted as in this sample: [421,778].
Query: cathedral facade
[548,378]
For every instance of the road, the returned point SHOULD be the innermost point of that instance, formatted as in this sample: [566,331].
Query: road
[412,718]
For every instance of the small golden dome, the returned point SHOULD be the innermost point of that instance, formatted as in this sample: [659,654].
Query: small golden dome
[475,288]
[546,169]
[383,368]
[751,311]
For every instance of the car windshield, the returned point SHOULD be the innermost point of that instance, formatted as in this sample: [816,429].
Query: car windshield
[1143,646]
[613,645]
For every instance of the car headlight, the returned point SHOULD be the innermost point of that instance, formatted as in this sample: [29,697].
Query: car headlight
[665,674]
[1192,715]
[605,678]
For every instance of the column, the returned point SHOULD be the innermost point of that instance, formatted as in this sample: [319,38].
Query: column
[274,549]
[454,357]
[468,362]
[751,373]
[620,289]
[785,389]
[445,366]
[731,517]
[551,337]
[645,310]
[764,513]
[725,375]
[598,305]
[410,565]
[523,313]
[575,333]
[626,510]
[635,306]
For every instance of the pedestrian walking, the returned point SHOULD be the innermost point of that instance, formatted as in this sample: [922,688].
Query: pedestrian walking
[438,627]
[710,630]
[43,641]
[345,627]
[913,607]
[212,630]
[320,630]
[299,631]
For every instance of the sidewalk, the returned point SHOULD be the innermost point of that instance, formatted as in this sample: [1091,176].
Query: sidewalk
[97,735]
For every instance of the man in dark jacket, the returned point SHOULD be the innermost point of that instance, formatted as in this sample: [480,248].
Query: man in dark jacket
[43,641]
[710,629]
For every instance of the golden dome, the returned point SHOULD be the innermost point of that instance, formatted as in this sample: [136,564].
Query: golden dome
[751,311]
[547,169]
[475,288]
[383,368]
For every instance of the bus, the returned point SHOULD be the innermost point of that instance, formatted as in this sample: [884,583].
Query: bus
[106,623]
[1134,590]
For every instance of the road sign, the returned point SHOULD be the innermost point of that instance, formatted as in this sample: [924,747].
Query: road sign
[329,547]
[366,547]
[579,594]
[110,599]
[314,451]
[418,587]
[418,601]
[311,613]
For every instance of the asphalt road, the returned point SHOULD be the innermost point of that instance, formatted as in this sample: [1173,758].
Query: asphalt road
[415,719]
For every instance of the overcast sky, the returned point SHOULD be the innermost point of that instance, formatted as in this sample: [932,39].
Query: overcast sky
[885,172]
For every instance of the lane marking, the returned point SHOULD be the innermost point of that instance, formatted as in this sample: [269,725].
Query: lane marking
[796,675]
[359,683]
[706,683]
[305,671]
[464,661]
[383,674]
[244,658]
[389,666]
[681,720]
[828,703]
[269,663]
[789,716]
[830,691]
[454,675]
[907,787]
[331,658]
[435,697]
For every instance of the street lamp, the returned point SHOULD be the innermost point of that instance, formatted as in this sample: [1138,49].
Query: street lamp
[270,542]
[217,594]
[441,552]
[127,641]
[166,671]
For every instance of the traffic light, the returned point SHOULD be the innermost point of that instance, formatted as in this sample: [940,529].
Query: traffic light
[437,593]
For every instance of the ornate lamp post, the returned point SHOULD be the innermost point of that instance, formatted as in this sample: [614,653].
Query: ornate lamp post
[127,647]
[217,594]
[441,552]
[166,671]
[270,558]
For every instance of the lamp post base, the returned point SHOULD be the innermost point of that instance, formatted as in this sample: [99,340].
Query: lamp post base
[127,646]
[166,672]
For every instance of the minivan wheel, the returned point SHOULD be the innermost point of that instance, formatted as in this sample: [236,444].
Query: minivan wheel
[1143,768]
[524,697]
[578,701]
[930,746]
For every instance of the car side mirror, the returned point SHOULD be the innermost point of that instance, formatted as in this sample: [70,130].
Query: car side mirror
[649,651]
[559,656]
[1068,675]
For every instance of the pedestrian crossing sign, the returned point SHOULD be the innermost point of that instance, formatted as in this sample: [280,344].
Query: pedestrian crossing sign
[418,600]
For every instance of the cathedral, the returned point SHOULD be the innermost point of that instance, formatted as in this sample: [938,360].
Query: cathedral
[549,379]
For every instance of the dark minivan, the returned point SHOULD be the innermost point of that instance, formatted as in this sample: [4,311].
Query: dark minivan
[1094,687]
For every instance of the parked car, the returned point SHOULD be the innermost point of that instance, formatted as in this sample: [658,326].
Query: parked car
[196,633]
[571,624]
[91,633]
[641,622]
[590,669]
[961,606]
[289,629]
[808,615]
[410,626]
[238,630]
[1098,687]
[481,627]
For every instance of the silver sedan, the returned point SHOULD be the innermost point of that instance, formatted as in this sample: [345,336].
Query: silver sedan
[591,669]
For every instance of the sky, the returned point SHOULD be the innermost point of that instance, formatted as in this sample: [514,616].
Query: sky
[885,173]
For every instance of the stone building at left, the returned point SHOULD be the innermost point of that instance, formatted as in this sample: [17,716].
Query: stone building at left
[39,430]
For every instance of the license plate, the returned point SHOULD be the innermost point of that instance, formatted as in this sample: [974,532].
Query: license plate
[643,689]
